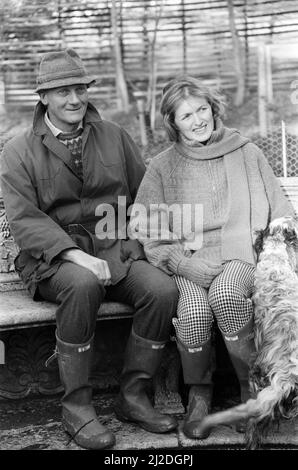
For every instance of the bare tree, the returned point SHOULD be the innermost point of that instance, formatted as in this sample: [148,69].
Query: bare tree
[151,94]
[239,57]
[121,86]
[2,81]
[184,42]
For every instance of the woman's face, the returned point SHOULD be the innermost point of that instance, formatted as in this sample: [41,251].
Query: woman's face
[194,118]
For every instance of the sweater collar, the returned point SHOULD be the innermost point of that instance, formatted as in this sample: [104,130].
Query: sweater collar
[227,140]
[40,127]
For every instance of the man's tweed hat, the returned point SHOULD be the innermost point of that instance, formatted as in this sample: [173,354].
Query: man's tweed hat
[61,68]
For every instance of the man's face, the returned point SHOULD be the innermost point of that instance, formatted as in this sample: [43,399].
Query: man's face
[66,105]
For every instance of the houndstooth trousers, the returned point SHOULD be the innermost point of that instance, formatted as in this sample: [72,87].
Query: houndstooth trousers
[228,299]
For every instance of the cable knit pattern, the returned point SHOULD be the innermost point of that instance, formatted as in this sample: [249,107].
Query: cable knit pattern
[235,186]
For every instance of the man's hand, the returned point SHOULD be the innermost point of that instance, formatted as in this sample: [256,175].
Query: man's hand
[97,266]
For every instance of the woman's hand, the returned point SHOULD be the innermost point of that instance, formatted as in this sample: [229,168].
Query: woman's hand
[200,271]
[97,266]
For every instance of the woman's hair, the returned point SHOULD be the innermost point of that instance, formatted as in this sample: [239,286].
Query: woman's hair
[181,88]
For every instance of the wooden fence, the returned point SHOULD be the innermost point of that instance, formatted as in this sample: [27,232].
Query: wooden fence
[193,37]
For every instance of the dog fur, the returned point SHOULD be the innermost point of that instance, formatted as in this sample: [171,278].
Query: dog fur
[274,369]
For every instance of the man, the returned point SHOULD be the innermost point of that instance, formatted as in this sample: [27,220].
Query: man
[58,178]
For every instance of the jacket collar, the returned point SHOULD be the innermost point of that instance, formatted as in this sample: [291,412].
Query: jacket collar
[40,128]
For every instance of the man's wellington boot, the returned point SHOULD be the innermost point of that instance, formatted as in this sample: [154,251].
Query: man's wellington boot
[241,348]
[196,364]
[142,359]
[78,415]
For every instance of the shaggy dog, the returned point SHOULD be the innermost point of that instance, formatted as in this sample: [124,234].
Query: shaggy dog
[274,369]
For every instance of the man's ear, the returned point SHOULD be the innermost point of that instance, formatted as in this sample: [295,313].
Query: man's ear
[44,98]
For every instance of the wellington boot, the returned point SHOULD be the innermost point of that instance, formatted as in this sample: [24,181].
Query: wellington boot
[196,365]
[199,405]
[78,415]
[241,348]
[142,359]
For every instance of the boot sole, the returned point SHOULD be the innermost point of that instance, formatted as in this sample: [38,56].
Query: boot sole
[191,436]
[124,419]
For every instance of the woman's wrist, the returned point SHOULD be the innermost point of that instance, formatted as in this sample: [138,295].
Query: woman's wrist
[175,260]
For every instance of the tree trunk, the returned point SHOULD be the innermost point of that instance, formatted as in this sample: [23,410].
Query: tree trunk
[151,97]
[2,74]
[184,44]
[121,86]
[2,96]
[239,57]
[262,91]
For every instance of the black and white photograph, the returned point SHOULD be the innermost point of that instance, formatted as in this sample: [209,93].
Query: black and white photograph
[149,228]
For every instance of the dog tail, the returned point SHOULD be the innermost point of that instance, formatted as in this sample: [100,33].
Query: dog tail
[258,410]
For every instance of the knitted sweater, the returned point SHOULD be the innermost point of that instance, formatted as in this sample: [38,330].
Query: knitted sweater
[226,191]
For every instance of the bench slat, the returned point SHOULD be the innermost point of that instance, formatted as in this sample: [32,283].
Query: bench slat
[18,310]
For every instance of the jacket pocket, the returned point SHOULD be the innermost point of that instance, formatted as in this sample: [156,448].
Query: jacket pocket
[50,173]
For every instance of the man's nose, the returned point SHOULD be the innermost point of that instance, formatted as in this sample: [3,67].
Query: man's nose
[73,97]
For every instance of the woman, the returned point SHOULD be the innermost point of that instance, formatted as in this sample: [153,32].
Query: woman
[226,179]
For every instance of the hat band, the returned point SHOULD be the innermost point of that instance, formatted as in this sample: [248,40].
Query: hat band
[66,74]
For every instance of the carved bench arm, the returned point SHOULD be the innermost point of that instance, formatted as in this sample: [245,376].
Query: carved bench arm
[5,232]
[8,248]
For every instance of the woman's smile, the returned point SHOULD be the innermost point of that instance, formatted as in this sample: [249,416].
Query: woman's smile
[194,119]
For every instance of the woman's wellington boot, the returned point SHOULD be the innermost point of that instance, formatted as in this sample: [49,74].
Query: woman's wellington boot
[241,348]
[196,365]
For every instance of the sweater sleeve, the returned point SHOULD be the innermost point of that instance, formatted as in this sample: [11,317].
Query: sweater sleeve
[280,206]
[149,223]
[32,229]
